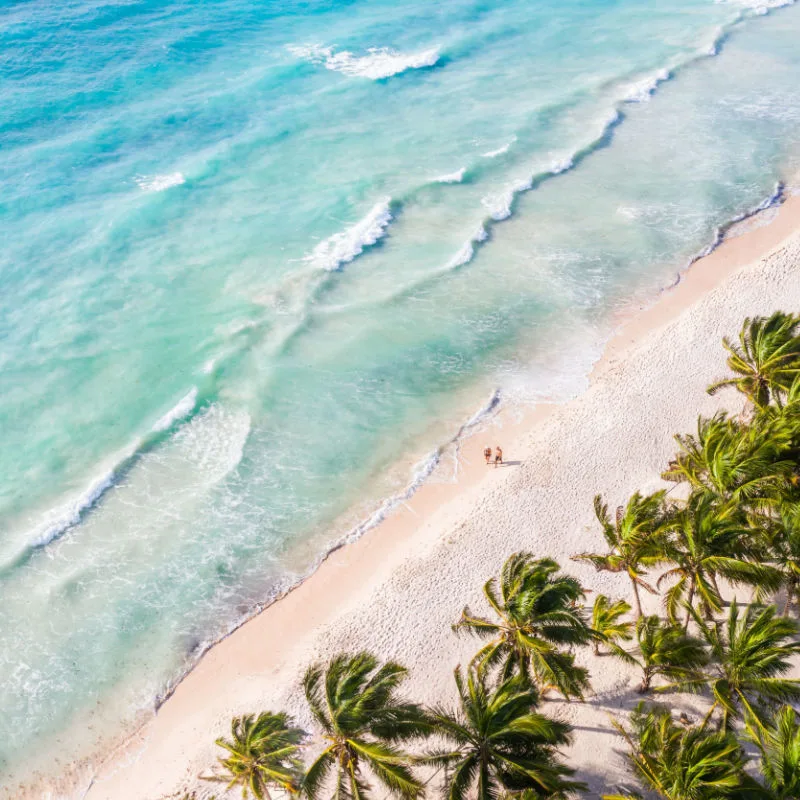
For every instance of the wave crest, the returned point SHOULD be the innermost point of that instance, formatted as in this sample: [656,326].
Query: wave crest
[179,411]
[500,150]
[379,62]
[341,248]
[641,91]
[451,177]
[158,183]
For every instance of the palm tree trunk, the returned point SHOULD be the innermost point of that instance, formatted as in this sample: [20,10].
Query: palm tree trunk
[637,599]
[707,717]
[689,606]
[714,583]
[791,592]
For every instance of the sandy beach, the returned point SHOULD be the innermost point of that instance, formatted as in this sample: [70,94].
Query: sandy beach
[398,589]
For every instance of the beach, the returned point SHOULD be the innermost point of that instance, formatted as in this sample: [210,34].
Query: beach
[275,274]
[397,590]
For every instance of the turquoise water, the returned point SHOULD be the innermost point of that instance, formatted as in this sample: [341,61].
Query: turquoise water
[257,253]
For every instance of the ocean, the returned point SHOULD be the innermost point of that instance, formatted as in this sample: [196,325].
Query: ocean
[260,260]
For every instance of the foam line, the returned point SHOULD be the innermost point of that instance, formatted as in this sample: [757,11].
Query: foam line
[66,517]
[500,150]
[775,199]
[379,63]
[641,91]
[179,411]
[158,183]
[341,248]
[452,177]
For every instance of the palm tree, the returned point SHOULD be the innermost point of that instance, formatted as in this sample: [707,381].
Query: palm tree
[678,763]
[354,700]
[632,539]
[607,623]
[779,746]
[766,359]
[263,753]
[665,650]
[538,612]
[737,462]
[496,743]
[750,654]
[707,541]
[782,531]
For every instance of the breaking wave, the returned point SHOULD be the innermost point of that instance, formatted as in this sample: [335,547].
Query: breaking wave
[452,177]
[341,248]
[377,64]
[158,183]
[500,150]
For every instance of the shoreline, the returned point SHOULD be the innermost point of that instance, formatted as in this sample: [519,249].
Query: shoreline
[330,592]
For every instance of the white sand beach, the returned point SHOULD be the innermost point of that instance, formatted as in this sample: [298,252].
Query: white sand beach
[399,588]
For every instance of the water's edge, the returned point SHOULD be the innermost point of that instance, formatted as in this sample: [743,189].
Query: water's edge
[420,474]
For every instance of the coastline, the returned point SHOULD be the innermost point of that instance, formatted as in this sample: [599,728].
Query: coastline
[316,617]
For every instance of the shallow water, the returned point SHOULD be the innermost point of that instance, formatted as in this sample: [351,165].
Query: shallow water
[256,253]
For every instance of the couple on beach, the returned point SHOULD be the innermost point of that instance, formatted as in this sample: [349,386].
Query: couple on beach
[498,455]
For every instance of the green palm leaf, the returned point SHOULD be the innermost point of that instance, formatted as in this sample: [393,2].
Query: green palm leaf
[538,616]
[766,359]
[497,744]
[262,753]
[633,539]
[355,701]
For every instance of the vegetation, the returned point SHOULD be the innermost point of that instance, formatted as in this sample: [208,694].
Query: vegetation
[497,744]
[678,763]
[736,525]
[709,542]
[750,655]
[262,753]
[355,702]
[537,617]
[666,651]
[766,361]
[632,538]
[608,625]
[779,746]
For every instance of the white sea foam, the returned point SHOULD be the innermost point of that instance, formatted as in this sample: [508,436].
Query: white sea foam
[500,150]
[629,212]
[714,46]
[213,442]
[179,411]
[453,177]
[463,256]
[378,63]
[467,252]
[64,517]
[758,6]
[158,183]
[641,91]
[775,199]
[562,165]
[422,471]
[499,205]
[341,248]
[67,516]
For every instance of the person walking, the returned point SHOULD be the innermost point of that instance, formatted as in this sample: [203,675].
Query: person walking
[498,455]
[487,454]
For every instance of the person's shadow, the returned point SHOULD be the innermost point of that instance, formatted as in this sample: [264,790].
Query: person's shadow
[510,464]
